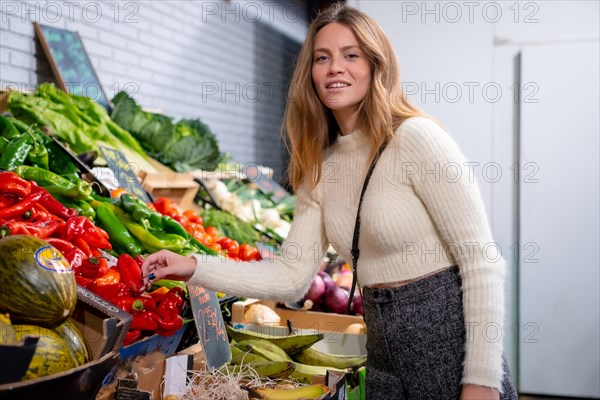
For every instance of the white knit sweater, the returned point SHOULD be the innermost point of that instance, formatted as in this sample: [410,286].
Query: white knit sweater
[422,212]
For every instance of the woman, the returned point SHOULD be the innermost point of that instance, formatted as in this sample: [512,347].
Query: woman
[433,297]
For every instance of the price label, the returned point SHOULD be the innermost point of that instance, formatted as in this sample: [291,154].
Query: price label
[125,172]
[266,184]
[210,325]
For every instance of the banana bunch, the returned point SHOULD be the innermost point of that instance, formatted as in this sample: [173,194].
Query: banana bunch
[283,356]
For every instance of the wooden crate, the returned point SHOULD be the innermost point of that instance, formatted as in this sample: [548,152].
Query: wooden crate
[180,188]
[320,321]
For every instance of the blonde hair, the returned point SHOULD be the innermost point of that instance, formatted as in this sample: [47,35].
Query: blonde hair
[310,127]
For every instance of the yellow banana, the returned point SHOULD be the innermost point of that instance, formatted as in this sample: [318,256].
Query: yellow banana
[304,392]
[304,373]
[291,344]
[264,348]
[313,356]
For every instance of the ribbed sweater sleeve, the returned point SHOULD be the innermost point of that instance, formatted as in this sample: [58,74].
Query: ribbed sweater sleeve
[285,278]
[436,168]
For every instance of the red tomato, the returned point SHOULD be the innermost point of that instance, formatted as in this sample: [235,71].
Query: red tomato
[249,253]
[232,247]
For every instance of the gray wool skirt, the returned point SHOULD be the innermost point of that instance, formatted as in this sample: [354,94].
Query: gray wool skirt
[408,358]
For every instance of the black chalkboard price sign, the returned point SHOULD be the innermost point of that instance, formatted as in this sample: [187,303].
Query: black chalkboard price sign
[70,63]
[265,184]
[125,172]
[210,325]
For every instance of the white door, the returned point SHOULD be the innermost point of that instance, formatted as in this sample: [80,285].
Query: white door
[559,302]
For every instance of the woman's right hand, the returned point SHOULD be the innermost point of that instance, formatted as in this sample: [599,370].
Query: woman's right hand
[165,264]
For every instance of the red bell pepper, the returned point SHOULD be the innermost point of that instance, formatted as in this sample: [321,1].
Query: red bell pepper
[109,292]
[94,267]
[13,184]
[128,303]
[169,324]
[148,302]
[18,209]
[131,274]
[132,336]
[172,302]
[145,321]
[6,201]
[83,281]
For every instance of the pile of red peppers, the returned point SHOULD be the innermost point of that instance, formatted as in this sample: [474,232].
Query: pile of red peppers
[28,209]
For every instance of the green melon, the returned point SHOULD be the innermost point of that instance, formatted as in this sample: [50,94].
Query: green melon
[75,341]
[37,284]
[51,354]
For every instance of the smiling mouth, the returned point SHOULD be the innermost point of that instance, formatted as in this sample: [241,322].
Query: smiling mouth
[337,85]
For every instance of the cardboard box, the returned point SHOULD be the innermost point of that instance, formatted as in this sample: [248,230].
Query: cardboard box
[319,321]
[104,326]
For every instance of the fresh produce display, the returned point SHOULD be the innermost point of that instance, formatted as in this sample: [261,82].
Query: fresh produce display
[56,233]
[76,120]
[184,146]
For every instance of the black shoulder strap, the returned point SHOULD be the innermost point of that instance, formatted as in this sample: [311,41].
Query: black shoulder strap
[355,252]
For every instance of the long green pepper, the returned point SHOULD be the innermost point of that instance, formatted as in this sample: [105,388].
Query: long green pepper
[16,152]
[119,236]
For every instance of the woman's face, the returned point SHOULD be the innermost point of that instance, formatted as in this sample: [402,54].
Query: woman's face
[340,71]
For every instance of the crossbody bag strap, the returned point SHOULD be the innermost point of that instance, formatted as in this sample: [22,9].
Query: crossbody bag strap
[355,252]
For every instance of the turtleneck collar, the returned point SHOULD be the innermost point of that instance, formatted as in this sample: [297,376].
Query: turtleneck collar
[353,141]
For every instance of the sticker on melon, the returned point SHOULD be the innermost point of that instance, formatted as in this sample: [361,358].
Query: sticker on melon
[52,260]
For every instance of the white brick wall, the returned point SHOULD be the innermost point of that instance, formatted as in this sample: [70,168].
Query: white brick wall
[218,61]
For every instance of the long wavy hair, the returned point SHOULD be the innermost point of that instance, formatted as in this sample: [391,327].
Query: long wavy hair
[310,127]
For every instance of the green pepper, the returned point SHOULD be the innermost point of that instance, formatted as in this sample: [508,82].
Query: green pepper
[55,184]
[8,129]
[172,226]
[155,241]
[38,155]
[119,236]
[170,284]
[140,212]
[60,163]
[21,126]
[16,152]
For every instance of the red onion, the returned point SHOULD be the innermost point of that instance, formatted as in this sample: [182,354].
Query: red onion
[357,303]
[337,299]
[316,289]
[329,283]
